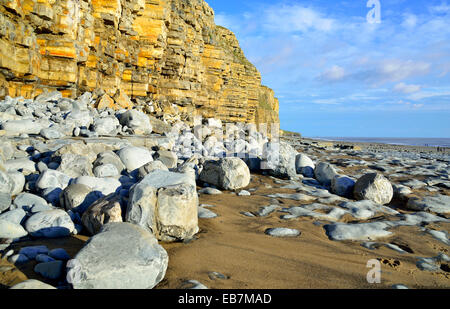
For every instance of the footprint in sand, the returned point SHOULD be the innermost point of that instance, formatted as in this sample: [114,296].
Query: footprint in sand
[393,263]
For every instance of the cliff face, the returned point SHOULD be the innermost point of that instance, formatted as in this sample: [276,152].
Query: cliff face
[166,51]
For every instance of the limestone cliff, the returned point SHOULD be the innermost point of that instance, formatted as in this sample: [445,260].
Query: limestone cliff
[169,52]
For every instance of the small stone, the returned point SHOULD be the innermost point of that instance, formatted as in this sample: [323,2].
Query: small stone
[106,126]
[302,161]
[5,183]
[213,275]
[59,254]
[266,210]
[150,167]
[21,164]
[52,179]
[134,157]
[400,287]
[325,173]
[32,251]
[137,121]
[210,191]
[282,232]
[105,185]
[78,197]
[50,270]
[22,127]
[248,214]
[18,259]
[244,193]
[105,101]
[109,157]
[204,213]
[50,224]
[51,133]
[102,212]
[342,186]
[32,284]
[10,230]
[169,158]
[74,165]
[16,216]
[5,201]
[279,159]
[122,100]
[26,201]
[17,182]
[43,258]
[193,285]
[106,170]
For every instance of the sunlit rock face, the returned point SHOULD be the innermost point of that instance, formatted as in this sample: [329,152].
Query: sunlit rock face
[169,52]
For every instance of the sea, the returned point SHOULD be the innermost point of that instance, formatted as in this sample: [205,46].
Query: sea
[409,141]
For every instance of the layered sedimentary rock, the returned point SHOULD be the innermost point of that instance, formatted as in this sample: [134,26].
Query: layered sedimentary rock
[168,52]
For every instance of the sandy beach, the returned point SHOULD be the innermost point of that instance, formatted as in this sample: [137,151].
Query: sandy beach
[232,251]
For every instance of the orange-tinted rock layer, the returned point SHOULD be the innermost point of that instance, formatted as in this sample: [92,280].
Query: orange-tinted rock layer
[167,51]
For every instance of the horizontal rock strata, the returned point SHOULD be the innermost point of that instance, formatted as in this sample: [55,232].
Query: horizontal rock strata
[167,55]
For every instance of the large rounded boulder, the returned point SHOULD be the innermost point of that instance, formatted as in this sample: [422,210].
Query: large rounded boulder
[226,173]
[121,256]
[279,160]
[325,173]
[374,187]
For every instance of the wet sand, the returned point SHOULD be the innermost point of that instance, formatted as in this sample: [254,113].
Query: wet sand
[236,246]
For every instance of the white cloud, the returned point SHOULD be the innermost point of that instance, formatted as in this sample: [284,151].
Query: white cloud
[428,94]
[395,70]
[326,101]
[443,8]
[335,73]
[404,88]
[295,18]
[409,21]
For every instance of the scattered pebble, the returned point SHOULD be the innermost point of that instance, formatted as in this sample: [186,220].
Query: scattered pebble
[282,232]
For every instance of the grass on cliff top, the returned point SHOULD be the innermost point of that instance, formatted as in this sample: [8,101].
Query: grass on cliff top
[238,54]
[290,133]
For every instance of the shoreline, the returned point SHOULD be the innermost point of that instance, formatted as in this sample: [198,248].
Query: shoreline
[369,146]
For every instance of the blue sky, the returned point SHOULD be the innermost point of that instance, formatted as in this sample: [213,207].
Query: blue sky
[335,74]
